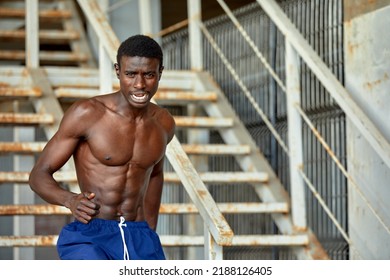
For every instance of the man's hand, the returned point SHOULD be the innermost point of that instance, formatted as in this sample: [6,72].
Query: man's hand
[83,208]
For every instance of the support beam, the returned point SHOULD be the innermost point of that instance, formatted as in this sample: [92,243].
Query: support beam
[32,37]
[195,34]
[295,141]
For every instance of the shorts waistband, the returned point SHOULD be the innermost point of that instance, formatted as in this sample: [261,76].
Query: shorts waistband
[114,223]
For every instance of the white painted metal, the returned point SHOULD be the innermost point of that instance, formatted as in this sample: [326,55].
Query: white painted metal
[194,11]
[105,71]
[330,82]
[145,18]
[100,25]
[212,251]
[293,92]
[32,38]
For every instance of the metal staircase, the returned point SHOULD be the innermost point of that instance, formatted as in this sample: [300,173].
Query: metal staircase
[43,94]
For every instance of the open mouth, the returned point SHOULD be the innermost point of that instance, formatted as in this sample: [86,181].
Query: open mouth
[140,97]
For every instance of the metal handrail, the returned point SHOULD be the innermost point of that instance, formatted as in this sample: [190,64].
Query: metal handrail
[338,92]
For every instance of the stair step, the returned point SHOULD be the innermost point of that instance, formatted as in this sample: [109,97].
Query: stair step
[238,240]
[223,177]
[54,56]
[21,147]
[44,35]
[169,240]
[25,119]
[227,208]
[51,14]
[203,122]
[168,208]
[191,149]
[20,92]
[162,96]
[169,177]
[216,149]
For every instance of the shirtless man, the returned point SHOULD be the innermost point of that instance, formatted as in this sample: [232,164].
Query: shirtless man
[118,144]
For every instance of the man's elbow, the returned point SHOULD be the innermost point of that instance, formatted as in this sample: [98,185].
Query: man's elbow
[33,179]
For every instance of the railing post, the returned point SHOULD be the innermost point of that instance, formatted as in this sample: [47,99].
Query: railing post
[212,251]
[32,34]
[105,65]
[195,34]
[293,91]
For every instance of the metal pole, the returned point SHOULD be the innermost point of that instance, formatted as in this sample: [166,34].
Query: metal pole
[32,34]
[298,205]
[195,34]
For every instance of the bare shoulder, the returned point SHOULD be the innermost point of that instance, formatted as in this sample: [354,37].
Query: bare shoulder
[164,117]
[81,115]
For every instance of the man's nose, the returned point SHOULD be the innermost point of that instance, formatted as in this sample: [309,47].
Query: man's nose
[139,81]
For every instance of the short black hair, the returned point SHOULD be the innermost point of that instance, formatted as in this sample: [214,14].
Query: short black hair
[140,45]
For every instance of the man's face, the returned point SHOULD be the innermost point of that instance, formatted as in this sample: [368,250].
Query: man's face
[138,79]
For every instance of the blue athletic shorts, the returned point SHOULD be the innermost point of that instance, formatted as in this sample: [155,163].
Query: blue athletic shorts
[109,240]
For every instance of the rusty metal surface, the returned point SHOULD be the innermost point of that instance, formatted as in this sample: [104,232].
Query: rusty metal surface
[25,118]
[216,149]
[21,147]
[222,177]
[211,122]
[270,240]
[42,209]
[43,14]
[169,177]
[20,92]
[165,208]
[44,35]
[46,56]
[28,241]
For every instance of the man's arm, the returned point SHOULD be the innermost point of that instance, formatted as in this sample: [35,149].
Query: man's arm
[153,195]
[56,153]
[152,200]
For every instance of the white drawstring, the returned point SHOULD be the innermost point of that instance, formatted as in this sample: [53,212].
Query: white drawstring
[125,252]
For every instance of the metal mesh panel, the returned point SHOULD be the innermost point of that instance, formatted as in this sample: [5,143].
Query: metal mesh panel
[320,22]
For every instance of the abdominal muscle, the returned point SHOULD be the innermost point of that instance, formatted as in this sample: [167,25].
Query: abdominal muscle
[119,190]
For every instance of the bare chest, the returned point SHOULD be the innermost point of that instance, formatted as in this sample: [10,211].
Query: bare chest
[122,143]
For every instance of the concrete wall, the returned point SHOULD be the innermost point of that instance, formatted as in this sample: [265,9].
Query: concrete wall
[367,77]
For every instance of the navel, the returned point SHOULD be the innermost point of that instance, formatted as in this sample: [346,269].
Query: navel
[107,157]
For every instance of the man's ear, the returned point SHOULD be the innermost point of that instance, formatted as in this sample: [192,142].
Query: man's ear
[116,66]
[161,71]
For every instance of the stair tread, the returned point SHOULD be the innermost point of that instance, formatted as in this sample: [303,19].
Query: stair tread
[223,177]
[163,95]
[6,12]
[204,122]
[165,208]
[43,34]
[170,240]
[203,149]
[170,177]
[15,92]
[22,147]
[26,118]
[216,149]
[59,56]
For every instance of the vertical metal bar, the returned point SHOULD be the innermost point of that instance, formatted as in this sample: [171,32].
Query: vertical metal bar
[145,18]
[195,34]
[105,65]
[32,34]
[105,70]
[298,204]
[212,251]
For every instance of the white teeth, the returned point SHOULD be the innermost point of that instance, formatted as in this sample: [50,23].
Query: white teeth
[143,97]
